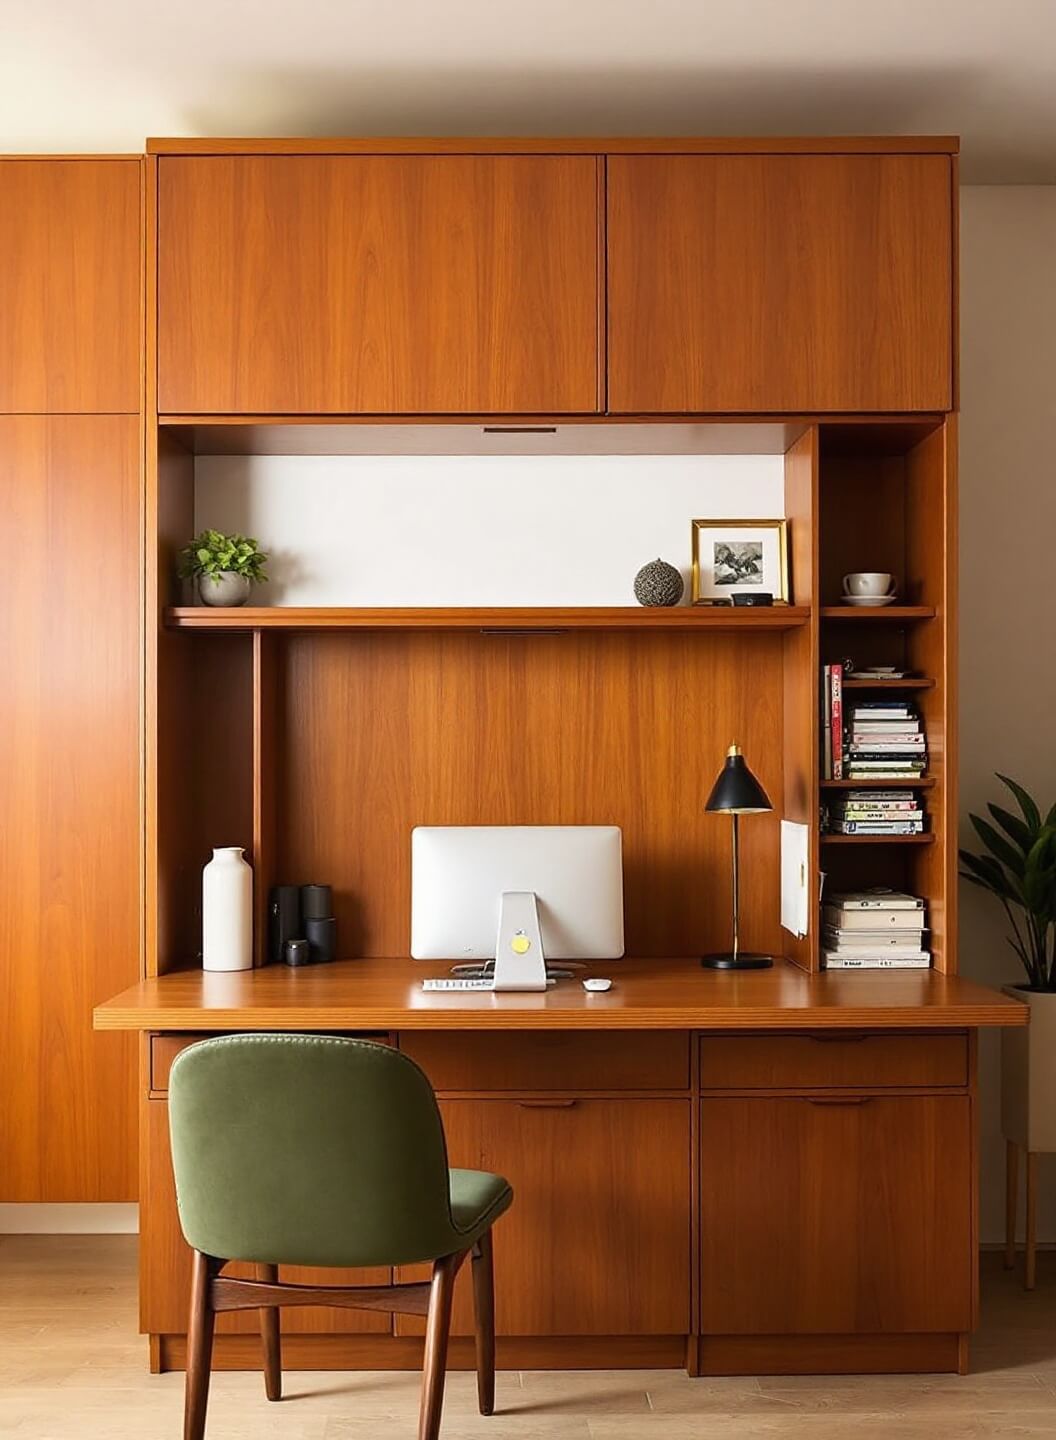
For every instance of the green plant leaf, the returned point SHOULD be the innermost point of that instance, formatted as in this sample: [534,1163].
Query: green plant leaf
[991,874]
[1013,826]
[1031,813]
[1039,879]
[1009,856]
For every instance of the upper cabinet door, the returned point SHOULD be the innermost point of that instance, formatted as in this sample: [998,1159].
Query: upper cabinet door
[70,286]
[780,283]
[378,284]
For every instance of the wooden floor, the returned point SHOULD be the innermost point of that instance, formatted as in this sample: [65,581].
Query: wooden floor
[73,1368]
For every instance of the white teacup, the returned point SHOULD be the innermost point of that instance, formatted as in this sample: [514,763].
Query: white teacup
[867,582]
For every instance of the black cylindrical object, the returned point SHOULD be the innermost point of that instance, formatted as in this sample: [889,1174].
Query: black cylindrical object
[297,952]
[322,937]
[317,902]
[284,920]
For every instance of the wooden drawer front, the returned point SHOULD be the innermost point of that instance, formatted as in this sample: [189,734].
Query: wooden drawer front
[165,1048]
[552,1061]
[597,1241]
[812,1062]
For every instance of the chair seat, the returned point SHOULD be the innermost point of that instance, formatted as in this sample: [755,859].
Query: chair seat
[477,1199]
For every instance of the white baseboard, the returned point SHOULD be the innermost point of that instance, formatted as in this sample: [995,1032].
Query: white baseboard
[69,1219]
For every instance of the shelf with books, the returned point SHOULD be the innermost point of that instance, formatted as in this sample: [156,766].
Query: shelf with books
[901,782]
[909,683]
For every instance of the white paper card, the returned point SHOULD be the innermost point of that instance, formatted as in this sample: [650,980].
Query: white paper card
[795,899]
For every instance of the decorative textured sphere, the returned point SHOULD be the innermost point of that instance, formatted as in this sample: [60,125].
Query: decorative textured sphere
[658,583]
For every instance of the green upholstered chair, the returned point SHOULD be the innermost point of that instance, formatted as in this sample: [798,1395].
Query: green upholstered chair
[317,1150]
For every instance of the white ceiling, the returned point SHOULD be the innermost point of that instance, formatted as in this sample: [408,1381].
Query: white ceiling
[103,74]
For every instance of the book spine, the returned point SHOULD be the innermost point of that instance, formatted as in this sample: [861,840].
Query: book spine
[837,722]
[826,706]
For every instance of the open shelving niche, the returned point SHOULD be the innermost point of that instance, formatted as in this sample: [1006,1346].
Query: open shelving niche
[317,736]
[887,503]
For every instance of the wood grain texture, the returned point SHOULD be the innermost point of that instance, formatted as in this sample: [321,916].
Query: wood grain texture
[779,283]
[842,1059]
[70,285]
[928,1354]
[454,729]
[570,145]
[597,1239]
[554,1061]
[516,619]
[873,1230]
[372,995]
[799,669]
[403,284]
[69,776]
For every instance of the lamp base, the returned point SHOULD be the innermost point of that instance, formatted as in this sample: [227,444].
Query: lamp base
[744,961]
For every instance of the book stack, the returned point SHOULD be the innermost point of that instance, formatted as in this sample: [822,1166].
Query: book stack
[876,812]
[874,930]
[884,739]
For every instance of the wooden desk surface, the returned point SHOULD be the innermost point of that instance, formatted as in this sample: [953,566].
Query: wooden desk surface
[646,995]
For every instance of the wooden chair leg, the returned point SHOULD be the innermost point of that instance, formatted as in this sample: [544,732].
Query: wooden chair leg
[438,1327]
[199,1348]
[269,1335]
[484,1315]
[1032,1211]
[1011,1201]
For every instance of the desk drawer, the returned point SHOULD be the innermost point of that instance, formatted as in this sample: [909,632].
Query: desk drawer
[555,1060]
[165,1048]
[836,1059]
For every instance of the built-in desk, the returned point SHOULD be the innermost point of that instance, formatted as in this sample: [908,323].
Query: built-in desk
[740,1174]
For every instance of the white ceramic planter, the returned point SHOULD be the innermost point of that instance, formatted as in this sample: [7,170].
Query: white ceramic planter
[227,588]
[1028,1074]
[227,911]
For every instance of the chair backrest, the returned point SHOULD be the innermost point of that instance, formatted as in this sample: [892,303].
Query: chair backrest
[309,1150]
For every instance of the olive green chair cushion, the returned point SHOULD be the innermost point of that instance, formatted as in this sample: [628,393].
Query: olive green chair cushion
[317,1150]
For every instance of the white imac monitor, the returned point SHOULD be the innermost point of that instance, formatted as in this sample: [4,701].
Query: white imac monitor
[517,894]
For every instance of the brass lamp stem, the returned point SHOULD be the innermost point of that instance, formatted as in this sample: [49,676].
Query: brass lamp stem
[736,884]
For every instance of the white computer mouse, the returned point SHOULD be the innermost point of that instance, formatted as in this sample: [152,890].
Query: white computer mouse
[596,986]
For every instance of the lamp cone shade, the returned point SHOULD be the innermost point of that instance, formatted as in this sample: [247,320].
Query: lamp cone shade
[737,791]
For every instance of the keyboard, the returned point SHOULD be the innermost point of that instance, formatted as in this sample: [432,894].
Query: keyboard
[458,984]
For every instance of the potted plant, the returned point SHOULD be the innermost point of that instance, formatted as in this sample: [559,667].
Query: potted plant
[1018,866]
[224,567]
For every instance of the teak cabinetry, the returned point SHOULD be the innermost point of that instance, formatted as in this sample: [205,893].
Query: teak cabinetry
[378,284]
[71,451]
[779,283]
[555,284]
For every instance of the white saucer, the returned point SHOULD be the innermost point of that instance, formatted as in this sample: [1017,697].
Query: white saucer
[869,600]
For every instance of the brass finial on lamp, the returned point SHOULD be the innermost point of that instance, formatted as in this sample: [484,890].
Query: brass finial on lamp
[737,792]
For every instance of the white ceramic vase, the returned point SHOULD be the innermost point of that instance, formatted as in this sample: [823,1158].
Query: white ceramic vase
[227,911]
[1028,1074]
[226,588]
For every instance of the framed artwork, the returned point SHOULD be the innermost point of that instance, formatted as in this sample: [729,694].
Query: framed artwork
[739,555]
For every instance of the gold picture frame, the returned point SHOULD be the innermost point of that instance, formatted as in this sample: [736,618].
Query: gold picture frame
[758,545]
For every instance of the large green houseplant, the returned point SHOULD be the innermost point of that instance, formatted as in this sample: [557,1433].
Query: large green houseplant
[1018,866]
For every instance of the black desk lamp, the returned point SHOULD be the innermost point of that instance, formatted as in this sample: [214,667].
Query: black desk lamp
[737,792]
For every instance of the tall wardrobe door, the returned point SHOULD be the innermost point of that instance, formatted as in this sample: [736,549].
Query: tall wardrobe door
[69,782]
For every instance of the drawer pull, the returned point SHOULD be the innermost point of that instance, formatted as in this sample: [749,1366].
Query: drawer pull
[546,1104]
[838,1099]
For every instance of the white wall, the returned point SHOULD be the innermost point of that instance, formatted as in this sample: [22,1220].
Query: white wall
[475,529]
[1008,570]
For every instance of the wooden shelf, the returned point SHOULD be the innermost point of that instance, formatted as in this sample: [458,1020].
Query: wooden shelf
[879,783]
[514,620]
[907,684]
[926,839]
[880,615]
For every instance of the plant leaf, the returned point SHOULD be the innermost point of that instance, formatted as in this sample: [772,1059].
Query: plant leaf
[992,875]
[1009,856]
[1031,813]
[1013,826]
